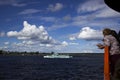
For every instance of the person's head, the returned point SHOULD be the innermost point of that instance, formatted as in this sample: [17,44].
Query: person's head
[106,31]
[114,33]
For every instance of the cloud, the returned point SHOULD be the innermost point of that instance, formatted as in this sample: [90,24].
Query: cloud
[2,34]
[90,5]
[90,34]
[31,32]
[64,43]
[29,11]
[12,3]
[28,42]
[72,38]
[56,7]
[33,38]
[106,13]
[87,33]
[98,8]
[73,43]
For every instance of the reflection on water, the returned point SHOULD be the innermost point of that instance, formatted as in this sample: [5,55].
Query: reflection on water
[37,68]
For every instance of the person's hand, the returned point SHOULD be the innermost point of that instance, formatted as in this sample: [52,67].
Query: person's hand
[100,46]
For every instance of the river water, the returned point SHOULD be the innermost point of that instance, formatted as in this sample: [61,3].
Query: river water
[38,68]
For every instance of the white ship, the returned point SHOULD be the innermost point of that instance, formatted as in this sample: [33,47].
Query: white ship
[56,55]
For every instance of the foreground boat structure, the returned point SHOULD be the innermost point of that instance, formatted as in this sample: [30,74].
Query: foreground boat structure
[106,64]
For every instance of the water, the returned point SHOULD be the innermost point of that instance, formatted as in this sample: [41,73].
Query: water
[38,68]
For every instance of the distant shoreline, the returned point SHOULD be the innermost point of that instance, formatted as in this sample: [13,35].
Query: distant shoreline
[43,54]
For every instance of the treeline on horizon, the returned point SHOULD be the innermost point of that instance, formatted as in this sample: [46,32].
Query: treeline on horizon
[3,52]
[37,53]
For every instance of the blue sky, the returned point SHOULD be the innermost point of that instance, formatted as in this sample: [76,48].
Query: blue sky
[55,25]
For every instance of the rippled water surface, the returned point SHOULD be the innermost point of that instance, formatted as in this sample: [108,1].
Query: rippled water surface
[38,68]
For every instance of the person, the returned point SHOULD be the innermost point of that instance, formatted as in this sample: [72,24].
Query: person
[111,40]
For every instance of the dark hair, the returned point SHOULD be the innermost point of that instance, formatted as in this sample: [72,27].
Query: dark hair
[107,31]
[114,33]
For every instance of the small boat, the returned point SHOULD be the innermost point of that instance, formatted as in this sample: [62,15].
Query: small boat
[56,55]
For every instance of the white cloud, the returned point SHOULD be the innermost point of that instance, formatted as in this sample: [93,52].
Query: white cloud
[88,51]
[91,5]
[73,43]
[90,34]
[28,42]
[49,45]
[64,43]
[56,7]
[34,38]
[30,11]
[87,33]
[72,38]
[33,33]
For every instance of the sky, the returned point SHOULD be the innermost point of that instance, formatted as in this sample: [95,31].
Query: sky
[65,26]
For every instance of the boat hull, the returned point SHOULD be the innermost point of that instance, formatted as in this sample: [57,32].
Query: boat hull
[57,56]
